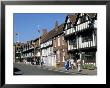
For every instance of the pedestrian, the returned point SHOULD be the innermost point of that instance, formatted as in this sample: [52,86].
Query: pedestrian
[42,62]
[78,64]
[67,66]
[72,63]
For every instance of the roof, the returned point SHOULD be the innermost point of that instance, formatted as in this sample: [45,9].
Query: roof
[91,15]
[59,30]
[52,33]
[44,37]
[73,18]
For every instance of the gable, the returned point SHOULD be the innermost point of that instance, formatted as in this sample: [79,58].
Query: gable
[68,20]
[82,18]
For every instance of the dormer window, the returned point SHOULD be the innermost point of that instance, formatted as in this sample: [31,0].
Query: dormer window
[68,25]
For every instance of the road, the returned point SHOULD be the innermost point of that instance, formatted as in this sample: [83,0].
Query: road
[27,69]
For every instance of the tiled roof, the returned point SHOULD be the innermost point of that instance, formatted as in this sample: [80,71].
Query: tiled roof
[52,33]
[59,30]
[44,37]
[91,15]
[73,17]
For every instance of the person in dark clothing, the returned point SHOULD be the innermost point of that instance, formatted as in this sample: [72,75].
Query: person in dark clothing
[67,66]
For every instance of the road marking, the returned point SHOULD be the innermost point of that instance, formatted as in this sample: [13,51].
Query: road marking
[61,71]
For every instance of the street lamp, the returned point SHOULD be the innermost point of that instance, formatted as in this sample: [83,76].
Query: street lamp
[34,51]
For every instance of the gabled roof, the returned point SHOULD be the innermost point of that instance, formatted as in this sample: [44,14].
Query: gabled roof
[72,17]
[91,15]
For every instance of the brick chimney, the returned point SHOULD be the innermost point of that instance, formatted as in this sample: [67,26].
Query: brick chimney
[44,31]
[56,25]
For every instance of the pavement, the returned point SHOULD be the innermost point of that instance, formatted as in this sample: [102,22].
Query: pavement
[63,70]
[72,71]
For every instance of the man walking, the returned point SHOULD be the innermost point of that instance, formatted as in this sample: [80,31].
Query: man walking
[78,64]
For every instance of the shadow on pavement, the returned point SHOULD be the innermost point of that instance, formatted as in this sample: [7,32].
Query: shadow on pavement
[17,71]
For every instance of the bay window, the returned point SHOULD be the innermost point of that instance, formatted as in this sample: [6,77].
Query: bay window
[58,40]
[87,38]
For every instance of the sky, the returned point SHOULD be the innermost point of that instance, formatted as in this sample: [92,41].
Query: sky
[27,24]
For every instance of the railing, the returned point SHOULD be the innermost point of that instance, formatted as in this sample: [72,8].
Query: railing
[46,44]
[71,47]
[82,45]
[80,27]
[87,44]
[25,49]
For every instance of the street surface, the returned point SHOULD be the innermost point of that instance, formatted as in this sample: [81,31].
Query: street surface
[28,69]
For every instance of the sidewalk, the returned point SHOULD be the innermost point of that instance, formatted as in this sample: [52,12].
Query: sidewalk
[73,72]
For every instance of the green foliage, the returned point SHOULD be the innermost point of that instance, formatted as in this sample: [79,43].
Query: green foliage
[89,66]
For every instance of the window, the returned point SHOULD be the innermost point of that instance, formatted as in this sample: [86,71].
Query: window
[55,42]
[83,19]
[63,57]
[59,57]
[88,37]
[62,40]
[72,42]
[58,54]
[68,25]
[58,40]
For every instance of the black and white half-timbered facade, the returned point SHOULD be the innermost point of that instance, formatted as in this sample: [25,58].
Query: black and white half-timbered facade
[28,52]
[80,33]
[47,50]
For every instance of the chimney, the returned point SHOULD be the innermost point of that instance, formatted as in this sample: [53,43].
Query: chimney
[56,25]
[44,31]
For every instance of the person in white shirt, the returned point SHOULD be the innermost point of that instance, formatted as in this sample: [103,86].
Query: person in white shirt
[72,63]
[78,64]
